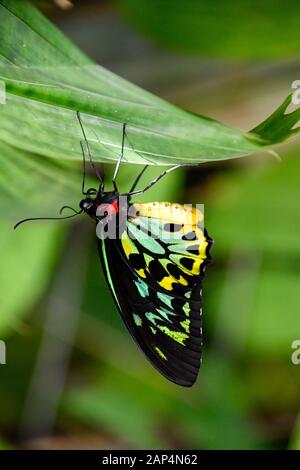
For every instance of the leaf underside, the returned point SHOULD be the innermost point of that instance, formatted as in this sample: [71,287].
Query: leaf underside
[47,79]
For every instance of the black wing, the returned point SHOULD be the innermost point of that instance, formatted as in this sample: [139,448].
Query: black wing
[160,307]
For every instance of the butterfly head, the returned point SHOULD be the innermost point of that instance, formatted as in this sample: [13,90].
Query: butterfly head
[86,204]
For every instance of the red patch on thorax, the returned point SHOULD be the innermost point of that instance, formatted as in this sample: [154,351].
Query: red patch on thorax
[112,208]
[115,206]
[109,210]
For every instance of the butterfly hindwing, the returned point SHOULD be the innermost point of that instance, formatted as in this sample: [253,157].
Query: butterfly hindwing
[167,243]
[158,294]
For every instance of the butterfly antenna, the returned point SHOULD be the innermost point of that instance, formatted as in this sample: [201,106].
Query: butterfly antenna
[99,176]
[120,158]
[46,218]
[71,209]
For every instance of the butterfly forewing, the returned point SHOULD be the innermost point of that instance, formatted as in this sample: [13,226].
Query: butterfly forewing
[156,280]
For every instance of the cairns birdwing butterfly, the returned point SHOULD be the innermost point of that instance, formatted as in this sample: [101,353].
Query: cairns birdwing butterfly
[154,266]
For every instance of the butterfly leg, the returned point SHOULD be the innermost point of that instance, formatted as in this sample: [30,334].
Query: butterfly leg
[120,158]
[152,183]
[99,175]
[138,178]
[83,168]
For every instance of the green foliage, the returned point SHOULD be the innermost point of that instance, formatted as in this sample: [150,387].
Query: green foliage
[256,220]
[280,124]
[118,412]
[27,258]
[48,79]
[248,29]
[26,180]
[247,395]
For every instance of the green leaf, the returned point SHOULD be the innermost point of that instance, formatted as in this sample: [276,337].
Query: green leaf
[248,29]
[280,125]
[34,186]
[47,79]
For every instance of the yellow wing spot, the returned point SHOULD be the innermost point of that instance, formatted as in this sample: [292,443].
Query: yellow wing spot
[196,266]
[141,272]
[183,281]
[160,353]
[167,282]
[202,249]
[126,246]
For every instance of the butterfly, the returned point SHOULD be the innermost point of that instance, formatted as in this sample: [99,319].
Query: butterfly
[154,266]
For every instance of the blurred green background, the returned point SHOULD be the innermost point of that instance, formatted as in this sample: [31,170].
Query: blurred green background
[74,378]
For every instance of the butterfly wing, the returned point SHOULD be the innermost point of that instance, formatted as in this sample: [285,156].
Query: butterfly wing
[156,282]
